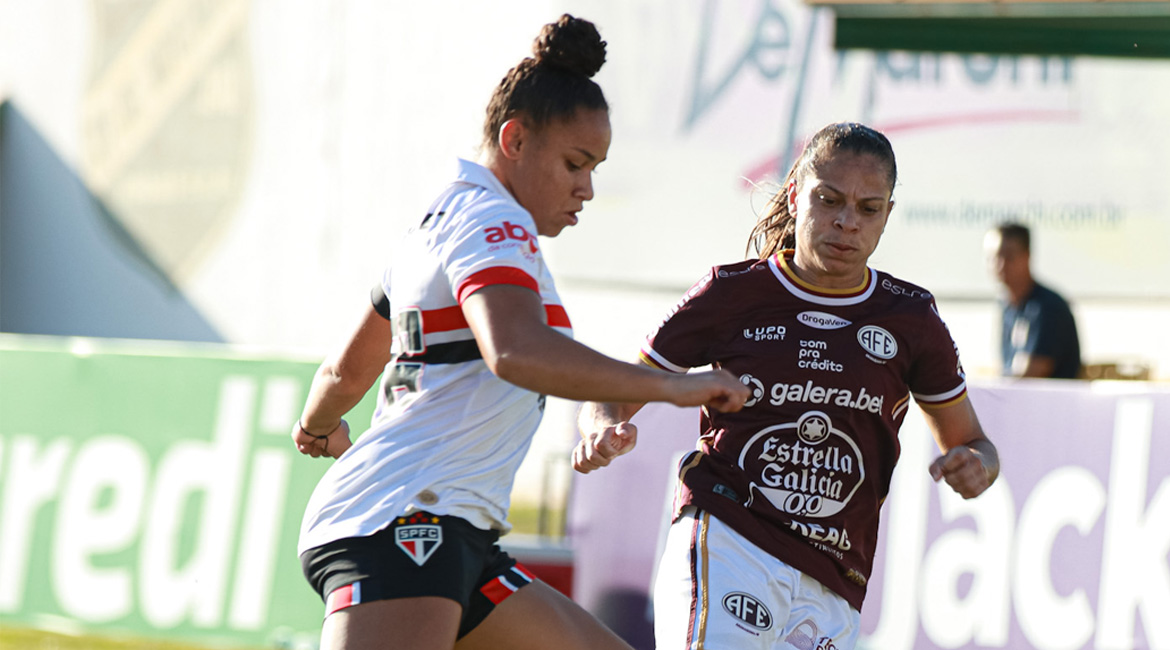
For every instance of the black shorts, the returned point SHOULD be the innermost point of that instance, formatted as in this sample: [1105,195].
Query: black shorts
[417,555]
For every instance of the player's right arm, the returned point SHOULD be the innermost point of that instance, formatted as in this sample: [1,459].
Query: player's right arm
[606,429]
[509,325]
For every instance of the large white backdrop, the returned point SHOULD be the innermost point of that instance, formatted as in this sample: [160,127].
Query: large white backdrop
[269,154]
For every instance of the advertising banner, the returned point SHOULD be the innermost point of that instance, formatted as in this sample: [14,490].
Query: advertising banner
[153,491]
[1069,549]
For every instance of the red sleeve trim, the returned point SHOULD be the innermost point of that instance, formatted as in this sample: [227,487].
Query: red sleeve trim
[495,275]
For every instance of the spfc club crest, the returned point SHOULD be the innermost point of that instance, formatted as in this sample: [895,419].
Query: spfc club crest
[419,541]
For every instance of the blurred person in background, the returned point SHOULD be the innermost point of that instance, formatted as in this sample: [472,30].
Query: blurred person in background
[1039,334]
[467,330]
[776,512]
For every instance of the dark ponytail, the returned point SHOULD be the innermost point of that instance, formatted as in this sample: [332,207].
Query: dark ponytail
[554,82]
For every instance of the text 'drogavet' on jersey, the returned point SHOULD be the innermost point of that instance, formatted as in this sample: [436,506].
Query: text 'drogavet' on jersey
[448,435]
[802,470]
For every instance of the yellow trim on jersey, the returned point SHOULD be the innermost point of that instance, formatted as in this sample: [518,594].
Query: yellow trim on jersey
[782,262]
[651,357]
[898,405]
[686,468]
[649,361]
[942,405]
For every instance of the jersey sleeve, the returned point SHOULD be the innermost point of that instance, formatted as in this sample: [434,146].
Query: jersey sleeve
[380,301]
[682,341]
[936,377]
[380,294]
[498,247]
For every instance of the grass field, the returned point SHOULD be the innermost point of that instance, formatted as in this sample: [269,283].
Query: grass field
[15,638]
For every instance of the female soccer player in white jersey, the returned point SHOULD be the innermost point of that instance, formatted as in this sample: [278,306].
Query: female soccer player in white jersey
[399,537]
[777,510]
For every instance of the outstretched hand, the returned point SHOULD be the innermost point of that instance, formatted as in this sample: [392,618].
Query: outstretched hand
[716,389]
[963,470]
[598,449]
[332,444]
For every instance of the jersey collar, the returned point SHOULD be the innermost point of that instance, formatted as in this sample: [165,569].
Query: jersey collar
[476,174]
[819,295]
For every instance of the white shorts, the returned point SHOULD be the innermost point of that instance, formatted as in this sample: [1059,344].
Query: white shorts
[716,591]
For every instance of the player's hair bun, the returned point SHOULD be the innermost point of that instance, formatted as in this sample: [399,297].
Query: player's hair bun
[554,83]
[572,44]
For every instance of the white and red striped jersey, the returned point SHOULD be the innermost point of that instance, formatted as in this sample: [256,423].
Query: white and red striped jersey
[448,435]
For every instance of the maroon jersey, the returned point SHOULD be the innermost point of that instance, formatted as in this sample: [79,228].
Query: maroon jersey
[802,470]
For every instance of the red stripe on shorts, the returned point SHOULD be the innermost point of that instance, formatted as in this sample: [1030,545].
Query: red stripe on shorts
[497,590]
[343,597]
[501,587]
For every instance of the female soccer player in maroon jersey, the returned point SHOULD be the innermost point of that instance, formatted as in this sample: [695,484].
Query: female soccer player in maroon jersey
[777,510]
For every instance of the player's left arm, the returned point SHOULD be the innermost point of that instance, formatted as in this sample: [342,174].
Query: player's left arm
[340,383]
[970,462]
[606,433]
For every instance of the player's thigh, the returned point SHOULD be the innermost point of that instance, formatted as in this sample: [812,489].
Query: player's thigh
[538,617]
[426,623]
[717,591]
[712,592]
[820,618]
[410,583]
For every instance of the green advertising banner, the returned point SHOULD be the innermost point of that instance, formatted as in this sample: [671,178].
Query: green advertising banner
[153,490]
